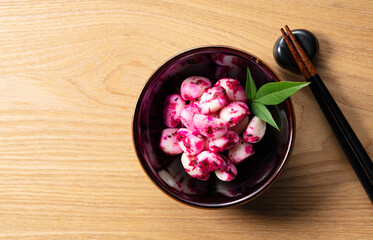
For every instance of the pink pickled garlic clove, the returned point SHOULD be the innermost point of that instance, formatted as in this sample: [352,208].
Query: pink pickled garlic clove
[210,126]
[190,141]
[228,141]
[228,173]
[255,130]
[189,164]
[241,151]
[233,88]
[171,112]
[212,100]
[234,112]
[168,143]
[193,87]
[186,115]
[209,161]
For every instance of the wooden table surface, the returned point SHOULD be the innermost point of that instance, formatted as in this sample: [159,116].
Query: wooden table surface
[70,74]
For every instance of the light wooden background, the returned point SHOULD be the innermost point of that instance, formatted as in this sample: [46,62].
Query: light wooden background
[70,74]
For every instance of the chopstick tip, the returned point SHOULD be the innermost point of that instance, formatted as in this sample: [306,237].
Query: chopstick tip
[287,28]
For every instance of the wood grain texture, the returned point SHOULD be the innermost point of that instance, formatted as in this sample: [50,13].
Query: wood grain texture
[70,74]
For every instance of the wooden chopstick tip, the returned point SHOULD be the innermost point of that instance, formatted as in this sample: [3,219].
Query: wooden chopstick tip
[302,67]
[287,28]
[283,33]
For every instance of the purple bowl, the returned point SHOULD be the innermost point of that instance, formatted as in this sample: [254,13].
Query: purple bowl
[254,175]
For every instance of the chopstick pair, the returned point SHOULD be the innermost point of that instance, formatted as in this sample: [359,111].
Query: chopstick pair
[354,150]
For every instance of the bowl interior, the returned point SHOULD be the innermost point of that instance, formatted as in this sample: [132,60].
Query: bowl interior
[254,174]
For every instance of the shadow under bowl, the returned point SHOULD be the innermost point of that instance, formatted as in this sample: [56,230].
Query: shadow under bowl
[254,175]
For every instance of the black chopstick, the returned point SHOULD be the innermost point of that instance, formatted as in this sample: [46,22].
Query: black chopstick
[351,156]
[345,127]
[355,152]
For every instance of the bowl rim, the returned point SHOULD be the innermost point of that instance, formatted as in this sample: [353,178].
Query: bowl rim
[239,201]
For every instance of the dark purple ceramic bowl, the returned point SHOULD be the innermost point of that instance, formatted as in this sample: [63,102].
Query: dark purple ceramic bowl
[255,175]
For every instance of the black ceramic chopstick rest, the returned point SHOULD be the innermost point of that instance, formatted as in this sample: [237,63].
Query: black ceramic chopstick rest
[283,56]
